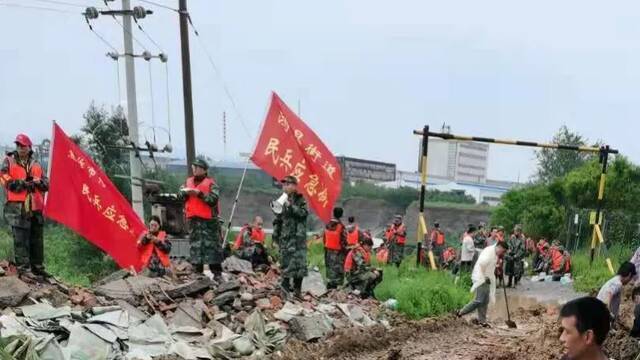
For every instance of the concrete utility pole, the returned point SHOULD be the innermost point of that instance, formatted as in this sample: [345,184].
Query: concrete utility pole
[186,84]
[132,111]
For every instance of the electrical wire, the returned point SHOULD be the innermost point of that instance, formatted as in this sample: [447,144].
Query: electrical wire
[149,36]
[103,39]
[130,33]
[216,69]
[153,117]
[166,72]
[159,5]
[64,3]
[42,8]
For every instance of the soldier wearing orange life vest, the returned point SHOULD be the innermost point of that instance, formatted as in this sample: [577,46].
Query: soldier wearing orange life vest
[438,242]
[249,243]
[335,249]
[395,238]
[201,195]
[354,234]
[25,183]
[361,277]
[155,248]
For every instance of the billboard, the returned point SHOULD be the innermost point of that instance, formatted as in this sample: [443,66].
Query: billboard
[360,169]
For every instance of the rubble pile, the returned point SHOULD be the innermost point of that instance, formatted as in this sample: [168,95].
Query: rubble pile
[189,316]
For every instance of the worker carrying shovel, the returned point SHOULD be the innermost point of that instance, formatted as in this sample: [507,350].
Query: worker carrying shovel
[484,282]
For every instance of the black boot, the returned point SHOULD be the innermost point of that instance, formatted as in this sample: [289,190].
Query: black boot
[199,268]
[216,269]
[510,281]
[297,287]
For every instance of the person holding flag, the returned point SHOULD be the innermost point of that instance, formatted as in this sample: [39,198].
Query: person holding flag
[25,184]
[202,207]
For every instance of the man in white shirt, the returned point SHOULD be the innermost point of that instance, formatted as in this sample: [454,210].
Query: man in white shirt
[611,292]
[468,251]
[484,282]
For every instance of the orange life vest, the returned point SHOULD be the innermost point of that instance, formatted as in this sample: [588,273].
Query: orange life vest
[148,249]
[195,206]
[449,254]
[437,237]
[348,262]
[393,231]
[567,264]
[33,201]
[556,259]
[332,238]
[257,235]
[352,237]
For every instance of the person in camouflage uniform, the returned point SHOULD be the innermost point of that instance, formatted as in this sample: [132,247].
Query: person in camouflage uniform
[25,183]
[290,230]
[335,249]
[361,277]
[395,237]
[201,195]
[480,240]
[514,259]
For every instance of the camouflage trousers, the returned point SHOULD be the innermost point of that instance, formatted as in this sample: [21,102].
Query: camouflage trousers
[205,240]
[293,258]
[514,267]
[365,282]
[334,265]
[27,231]
[396,253]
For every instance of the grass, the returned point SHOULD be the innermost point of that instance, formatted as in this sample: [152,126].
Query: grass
[421,293]
[589,278]
[67,256]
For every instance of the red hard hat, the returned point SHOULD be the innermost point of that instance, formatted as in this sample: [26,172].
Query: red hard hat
[23,140]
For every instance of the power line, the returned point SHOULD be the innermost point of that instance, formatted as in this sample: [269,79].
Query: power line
[149,37]
[159,5]
[57,2]
[42,8]
[127,31]
[219,74]
[103,39]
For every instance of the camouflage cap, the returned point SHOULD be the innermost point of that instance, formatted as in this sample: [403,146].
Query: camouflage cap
[289,180]
[201,163]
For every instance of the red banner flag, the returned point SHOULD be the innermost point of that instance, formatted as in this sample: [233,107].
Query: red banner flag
[83,198]
[287,146]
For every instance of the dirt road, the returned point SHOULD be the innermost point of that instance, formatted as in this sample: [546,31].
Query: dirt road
[535,309]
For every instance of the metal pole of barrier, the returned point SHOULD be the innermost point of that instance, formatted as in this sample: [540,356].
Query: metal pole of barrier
[422,230]
[597,233]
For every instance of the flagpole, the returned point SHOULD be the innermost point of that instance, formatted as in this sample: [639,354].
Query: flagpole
[235,204]
[51,145]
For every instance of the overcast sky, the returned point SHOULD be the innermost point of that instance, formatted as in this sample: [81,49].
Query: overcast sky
[366,72]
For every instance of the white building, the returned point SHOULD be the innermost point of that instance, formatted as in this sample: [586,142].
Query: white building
[458,160]
[488,192]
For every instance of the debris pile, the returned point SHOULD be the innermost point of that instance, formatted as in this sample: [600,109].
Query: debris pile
[189,316]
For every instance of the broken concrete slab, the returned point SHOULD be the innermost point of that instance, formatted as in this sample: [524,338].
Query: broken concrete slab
[189,288]
[126,289]
[119,318]
[44,311]
[307,328]
[83,344]
[12,291]
[118,275]
[288,312]
[135,316]
[314,284]
[225,298]
[152,331]
[187,314]
[234,264]
[102,332]
[228,286]
[356,315]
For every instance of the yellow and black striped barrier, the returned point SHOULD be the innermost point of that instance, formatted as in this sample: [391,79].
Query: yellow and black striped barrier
[603,151]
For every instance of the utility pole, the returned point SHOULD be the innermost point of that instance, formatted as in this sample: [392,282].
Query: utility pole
[186,84]
[132,111]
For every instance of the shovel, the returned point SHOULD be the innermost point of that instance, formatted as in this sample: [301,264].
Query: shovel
[510,323]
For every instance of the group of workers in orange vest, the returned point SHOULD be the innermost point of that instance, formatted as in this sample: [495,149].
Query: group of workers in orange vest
[554,260]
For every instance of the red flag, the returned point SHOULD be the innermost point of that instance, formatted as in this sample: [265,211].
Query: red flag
[287,146]
[83,198]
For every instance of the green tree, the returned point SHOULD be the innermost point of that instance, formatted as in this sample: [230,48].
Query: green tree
[553,163]
[102,133]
